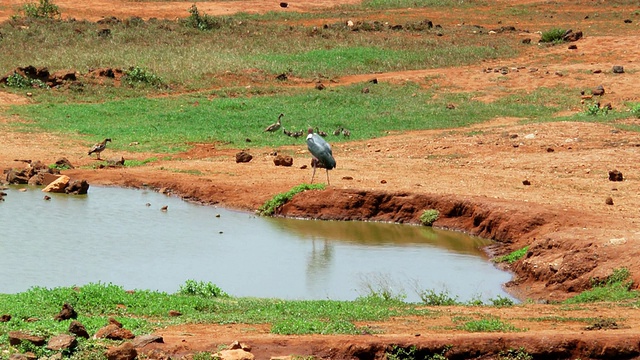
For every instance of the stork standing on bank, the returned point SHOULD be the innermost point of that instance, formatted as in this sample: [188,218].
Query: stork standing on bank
[97,148]
[322,155]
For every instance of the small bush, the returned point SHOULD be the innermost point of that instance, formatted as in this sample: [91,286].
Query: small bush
[487,325]
[553,36]
[428,217]
[136,75]
[202,21]
[430,297]
[46,9]
[513,354]
[200,288]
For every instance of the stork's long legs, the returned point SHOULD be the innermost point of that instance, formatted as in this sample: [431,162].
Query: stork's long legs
[328,183]
[314,174]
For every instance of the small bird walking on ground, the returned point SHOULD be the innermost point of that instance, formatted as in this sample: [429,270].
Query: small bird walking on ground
[97,148]
[322,154]
[275,126]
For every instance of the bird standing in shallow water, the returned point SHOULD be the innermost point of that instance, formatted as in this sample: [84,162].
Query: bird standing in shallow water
[321,151]
[275,126]
[97,148]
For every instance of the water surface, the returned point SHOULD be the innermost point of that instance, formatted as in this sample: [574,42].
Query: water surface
[121,236]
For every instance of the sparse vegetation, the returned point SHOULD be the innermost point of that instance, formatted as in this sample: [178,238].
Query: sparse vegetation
[136,75]
[269,207]
[635,110]
[16,80]
[513,256]
[616,287]
[488,324]
[201,288]
[429,216]
[515,354]
[553,36]
[433,298]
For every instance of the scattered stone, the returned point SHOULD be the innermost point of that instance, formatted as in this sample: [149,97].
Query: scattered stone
[175,313]
[282,77]
[77,187]
[628,21]
[383,181]
[78,329]
[238,345]
[550,149]
[164,208]
[243,157]
[597,71]
[347,178]
[303,167]
[569,35]
[5,318]
[526,41]
[374,81]
[64,163]
[17,177]
[58,185]
[126,351]
[573,47]
[237,354]
[320,86]
[615,175]
[17,337]
[618,69]
[42,179]
[62,342]
[284,4]
[113,332]
[609,200]
[598,91]
[66,313]
[283,160]
[142,341]
[526,182]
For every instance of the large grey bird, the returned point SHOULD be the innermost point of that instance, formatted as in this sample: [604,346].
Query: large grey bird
[97,148]
[321,151]
[275,126]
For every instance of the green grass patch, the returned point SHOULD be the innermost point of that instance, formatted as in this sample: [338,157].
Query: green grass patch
[512,256]
[553,36]
[271,205]
[615,288]
[429,216]
[488,324]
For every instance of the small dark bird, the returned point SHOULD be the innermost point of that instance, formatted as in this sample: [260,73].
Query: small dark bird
[337,131]
[99,147]
[47,197]
[346,132]
[287,132]
[297,134]
[321,133]
[321,151]
[164,208]
[275,126]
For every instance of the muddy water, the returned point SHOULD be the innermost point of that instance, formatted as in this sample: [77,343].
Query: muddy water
[122,236]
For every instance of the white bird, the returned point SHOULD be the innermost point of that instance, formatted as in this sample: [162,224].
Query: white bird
[275,126]
[322,154]
[97,148]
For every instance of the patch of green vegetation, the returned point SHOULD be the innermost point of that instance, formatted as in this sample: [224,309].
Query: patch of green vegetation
[134,162]
[513,256]
[429,216]
[202,21]
[635,110]
[136,76]
[16,80]
[488,324]
[201,288]
[433,298]
[554,35]
[45,9]
[270,206]
[616,287]
[301,326]
[595,109]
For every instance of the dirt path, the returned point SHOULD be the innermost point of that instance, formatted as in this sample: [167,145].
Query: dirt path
[474,176]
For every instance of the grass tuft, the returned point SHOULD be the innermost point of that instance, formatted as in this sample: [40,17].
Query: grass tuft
[513,256]
[429,216]
[270,207]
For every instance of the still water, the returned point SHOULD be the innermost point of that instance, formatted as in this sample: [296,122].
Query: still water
[121,236]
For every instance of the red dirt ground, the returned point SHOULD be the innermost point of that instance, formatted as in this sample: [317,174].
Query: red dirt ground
[474,176]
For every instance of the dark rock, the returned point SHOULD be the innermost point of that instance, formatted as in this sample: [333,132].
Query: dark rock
[598,91]
[115,322]
[615,175]
[143,340]
[374,81]
[77,187]
[628,21]
[42,179]
[243,157]
[282,77]
[609,200]
[320,86]
[66,313]
[113,332]
[126,351]
[76,328]
[573,47]
[597,71]
[14,176]
[618,69]
[526,41]
[17,337]
[284,4]
[62,342]
[283,160]
[550,149]
[526,182]
[25,356]
[572,36]
[5,318]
